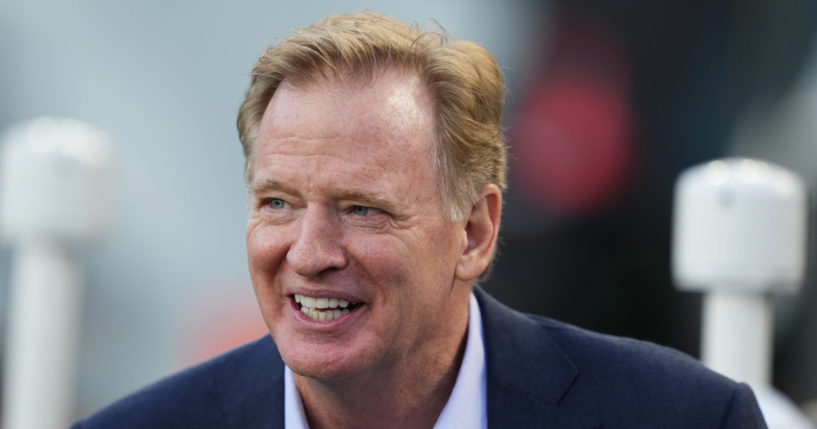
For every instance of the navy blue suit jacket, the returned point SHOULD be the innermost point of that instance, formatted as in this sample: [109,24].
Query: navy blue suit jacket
[540,374]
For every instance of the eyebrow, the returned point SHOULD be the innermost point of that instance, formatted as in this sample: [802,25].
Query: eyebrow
[368,199]
[267,185]
[357,195]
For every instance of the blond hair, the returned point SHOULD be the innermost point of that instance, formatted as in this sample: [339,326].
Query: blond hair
[462,78]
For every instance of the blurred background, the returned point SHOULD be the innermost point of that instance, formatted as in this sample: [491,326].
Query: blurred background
[608,103]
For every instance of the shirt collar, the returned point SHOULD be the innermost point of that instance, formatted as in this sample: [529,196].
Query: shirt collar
[459,411]
[294,416]
[466,407]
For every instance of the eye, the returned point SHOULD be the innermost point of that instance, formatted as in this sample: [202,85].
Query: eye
[364,211]
[276,203]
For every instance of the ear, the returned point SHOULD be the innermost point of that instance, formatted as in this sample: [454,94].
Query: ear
[482,229]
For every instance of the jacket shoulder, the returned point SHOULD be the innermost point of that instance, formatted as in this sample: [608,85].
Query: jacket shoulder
[234,389]
[616,381]
[627,378]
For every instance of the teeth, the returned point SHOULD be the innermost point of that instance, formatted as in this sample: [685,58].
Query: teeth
[324,309]
[327,315]
[308,301]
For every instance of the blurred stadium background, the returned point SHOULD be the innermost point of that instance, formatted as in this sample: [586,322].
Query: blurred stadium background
[608,102]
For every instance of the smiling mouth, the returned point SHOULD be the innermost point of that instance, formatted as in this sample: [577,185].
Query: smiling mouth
[324,309]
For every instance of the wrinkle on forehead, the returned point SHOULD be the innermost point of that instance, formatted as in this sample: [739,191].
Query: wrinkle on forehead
[337,164]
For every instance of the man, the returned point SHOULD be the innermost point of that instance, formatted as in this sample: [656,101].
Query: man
[375,165]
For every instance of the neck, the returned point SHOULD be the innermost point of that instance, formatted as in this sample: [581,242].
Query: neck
[410,394]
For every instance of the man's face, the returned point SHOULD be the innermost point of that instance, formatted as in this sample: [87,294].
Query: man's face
[345,215]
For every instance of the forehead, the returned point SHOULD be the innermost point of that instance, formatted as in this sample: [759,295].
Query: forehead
[390,111]
[391,102]
[383,124]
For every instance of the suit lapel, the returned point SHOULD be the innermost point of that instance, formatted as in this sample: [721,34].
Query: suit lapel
[527,373]
[251,388]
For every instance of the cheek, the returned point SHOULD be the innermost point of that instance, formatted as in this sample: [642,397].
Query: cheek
[264,252]
[264,259]
[437,259]
[385,259]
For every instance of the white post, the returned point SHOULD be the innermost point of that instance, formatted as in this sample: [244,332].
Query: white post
[43,327]
[54,200]
[739,235]
[737,336]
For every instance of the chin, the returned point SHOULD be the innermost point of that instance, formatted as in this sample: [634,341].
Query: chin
[326,368]
[320,361]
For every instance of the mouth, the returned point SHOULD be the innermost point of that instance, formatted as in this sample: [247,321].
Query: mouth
[324,309]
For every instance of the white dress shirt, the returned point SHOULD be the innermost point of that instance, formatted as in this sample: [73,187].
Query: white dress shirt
[466,407]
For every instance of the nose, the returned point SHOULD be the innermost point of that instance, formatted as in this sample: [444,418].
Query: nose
[317,247]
